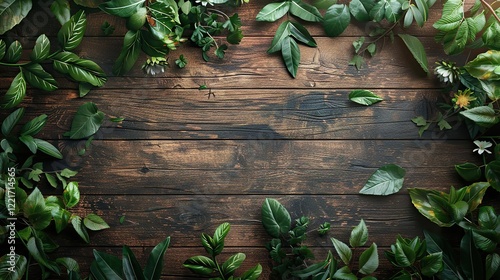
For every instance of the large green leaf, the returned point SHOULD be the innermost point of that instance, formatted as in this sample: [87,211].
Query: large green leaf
[492,173]
[200,265]
[491,36]
[13,54]
[94,222]
[81,70]
[131,267]
[275,218]
[13,12]
[485,66]
[470,258]
[368,261]
[337,19]
[121,8]
[154,265]
[291,55]
[232,263]
[109,266]
[129,53]
[34,209]
[385,181]
[359,235]
[15,94]
[344,252]
[392,10]
[485,239]
[71,33]
[282,32]
[364,97]
[426,202]
[273,11]
[482,115]
[36,76]
[35,247]
[11,120]
[152,46]
[417,50]
[13,272]
[305,11]
[87,121]
[34,126]
[61,10]
[474,194]
[41,50]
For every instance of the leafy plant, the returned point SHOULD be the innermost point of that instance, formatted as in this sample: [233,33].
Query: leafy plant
[109,267]
[157,27]
[387,180]
[85,72]
[208,266]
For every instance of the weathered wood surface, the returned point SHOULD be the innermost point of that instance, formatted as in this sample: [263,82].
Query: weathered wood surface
[182,163]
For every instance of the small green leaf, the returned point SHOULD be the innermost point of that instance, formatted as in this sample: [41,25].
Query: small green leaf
[273,11]
[51,179]
[344,252]
[36,76]
[310,270]
[11,120]
[154,264]
[232,263]
[200,265]
[344,273]
[275,218]
[84,88]
[87,121]
[181,62]
[299,32]
[385,181]
[94,222]
[419,121]
[71,195]
[337,19]
[364,97]
[469,171]
[487,218]
[122,220]
[76,221]
[71,33]
[417,50]
[368,261]
[405,256]
[41,50]
[47,148]
[15,94]
[357,61]
[291,55]
[62,10]
[359,235]
[129,53]
[305,11]
[68,173]
[432,264]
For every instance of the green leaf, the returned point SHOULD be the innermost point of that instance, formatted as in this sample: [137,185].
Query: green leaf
[94,222]
[84,88]
[221,51]
[485,66]
[275,218]
[150,45]
[487,217]
[181,62]
[482,115]
[432,264]
[61,219]
[14,52]
[299,32]
[417,50]
[35,247]
[232,263]
[360,10]
[221,232]
[368,261]
[13,269]
[359,235]
[13,12]
[253,273]
[305,11]
[51,179]
[357,61]
[109,266]
[436,244]
[200,265]
[474,194]
[291,55]
[282,32]
[35,210]
[154,265]
[29,142]
[68,173]
[405,256]
[344,252]
[62,10]
[87,121]
[426,203]
[492,265]
[11,120]
[121,8]
[36,76]
[81,70]
[41,50]
[337,19]
[377,12]
[364,97]
[129,53]
[344,273]
[385,181]
[273,11]
[419,121]
[3,49]
[131,267]
[392,10]
[492,173]
[470,259]
[71,33]
[47,148]
[469,171]
[310,270]
[163,17]
[15,94]
[491,36]
[71,195]
[76,221]
[485,239]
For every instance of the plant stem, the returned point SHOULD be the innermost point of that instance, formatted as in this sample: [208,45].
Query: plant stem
[363,49]
[218,12]
[488,7]
[14,64]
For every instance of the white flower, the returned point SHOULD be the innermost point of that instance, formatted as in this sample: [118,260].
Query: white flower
[482,146]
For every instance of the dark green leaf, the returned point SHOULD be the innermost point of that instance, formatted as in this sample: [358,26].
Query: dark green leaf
[404,255]
[76,221]
[201,265]
[305,11]
[221,51]
[487,218]
[491,36]
[469,171]
[154,265]
[47,148]
[421,199]
[11,120]
[181,62]
[35,247]
[337,18]
[109,266]
[149,44]
[310,270]
[163,17]
[275,218]
[282,32]
[94,222]
[71,33]
[432,264]
[29,142]
[121,8]
[291,55]
[417,50]
[385,181]
[492,173]
[359,235]
[360,10]
[19,263]
[474,194]
[107,28]
[16,92]
[69,263]
[232,263]
[253,273]
[87,121]
[273,11]
[51,179]
[299,32]
[392,10]
[41,50]
[36,76]
[368,261]
[84,88]
[129,53]
[131,268]
[13,12]
[344,252]
[81,70]
[35,210]
[485,239]
[470,259]
[364,97]
[492,265]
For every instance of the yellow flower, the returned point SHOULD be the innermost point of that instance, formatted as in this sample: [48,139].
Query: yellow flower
[463,98]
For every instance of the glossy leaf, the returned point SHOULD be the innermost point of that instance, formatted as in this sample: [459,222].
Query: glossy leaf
[492,173]
[162,18]
[61,219]
[36,76]
[275,218]
[29,142]
[300,33]
[492,265]
[12,12]
[109,266]
[154,264]
[71,33]
[421,200]
[11,120]
[69,263]
[76,221]
[41,50]
[359,235]
[474,194]
[15,94]
[71,195]
[491,36]
[470,259]
[14,52]
[482,115]
[87,121]
[487,218]
[34,209]
[81,70]
[94,222]
[129,53]
[432,264]
[221,232]
[344,252]
[200,265]
[344,273]
[360,10]
[337,19]
[404,254]
[417,50]
[152,46]
[385,181]
[485,239]
[61,10]
[273,11]
[368,261]
[121,8]
[47,148]
[291,55]
[282,32]
[364,97]
[392,10]
[377,12]
[131,267]
[35,247]
[305,11]
[253,273]
[13,270]
[232,263]
[485,66]
[469,171]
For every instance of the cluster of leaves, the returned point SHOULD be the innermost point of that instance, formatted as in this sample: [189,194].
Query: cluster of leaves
[471,172]
[157,27]
[290,256]
[85,72]
[33,212]
[208,266]
[412,257]
[336,20]
[109,267]
[477,27]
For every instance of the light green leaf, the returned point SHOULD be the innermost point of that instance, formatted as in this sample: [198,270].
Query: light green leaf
[121,8]
[485,66]
[76,221]
[36,76]
[68,173]
[305,11]
[344,273]
[275,218]
[129,53]
[47,148]
[11,120]
[344,252]
[71,195]
[392,10]
[41,50]
[232,263]
[417,50]
[13,269]
[201,265]
[359,235]
[71,33]
[364,97]
[474,194]
[491,36]
[15,94]
[291,55]
[482,115]
[385,181]
[423,8]
[94,222]
[62,10]
[337,18]
[221,232]
[368,261]
[87,121]
[273,11]
[12,12]
[154,264]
